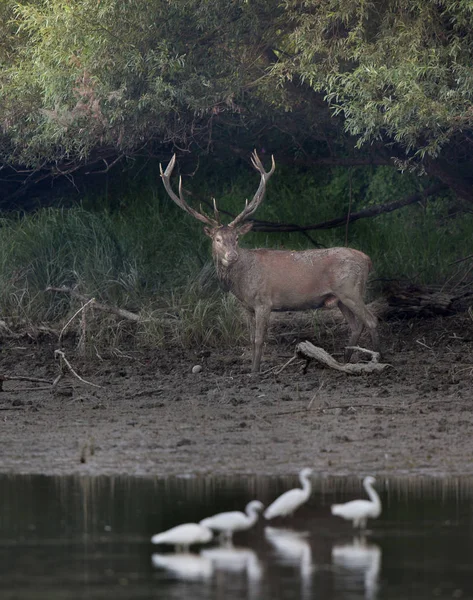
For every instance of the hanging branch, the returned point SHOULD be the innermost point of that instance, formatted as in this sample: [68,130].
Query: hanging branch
[371,211]
[345,220]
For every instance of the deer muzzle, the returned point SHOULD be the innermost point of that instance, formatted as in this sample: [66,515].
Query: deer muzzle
[230,257]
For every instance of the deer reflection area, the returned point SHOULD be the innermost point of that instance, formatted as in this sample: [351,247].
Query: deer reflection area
[357,563]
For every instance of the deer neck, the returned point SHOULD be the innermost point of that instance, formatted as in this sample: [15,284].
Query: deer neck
[234,277]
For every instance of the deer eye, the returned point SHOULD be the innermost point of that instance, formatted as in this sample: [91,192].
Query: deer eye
[218,239]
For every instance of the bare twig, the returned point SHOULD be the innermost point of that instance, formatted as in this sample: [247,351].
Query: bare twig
[424,345]
[315,395]
[278,370]
[120,312]
[65,363]
[82,308]
[375,356]
[21,378]
[30,389]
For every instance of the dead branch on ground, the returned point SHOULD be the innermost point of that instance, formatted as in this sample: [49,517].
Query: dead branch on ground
[308,350]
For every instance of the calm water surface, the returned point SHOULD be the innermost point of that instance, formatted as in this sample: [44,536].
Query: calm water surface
[83,537]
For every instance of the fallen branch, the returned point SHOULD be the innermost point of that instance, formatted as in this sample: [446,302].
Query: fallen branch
[308,350]
[120,312]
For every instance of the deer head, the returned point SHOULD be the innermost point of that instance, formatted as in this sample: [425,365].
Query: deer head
[224,237]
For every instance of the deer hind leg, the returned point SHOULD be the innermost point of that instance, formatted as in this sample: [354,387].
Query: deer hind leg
[261,320]
[356,326]
[364,317]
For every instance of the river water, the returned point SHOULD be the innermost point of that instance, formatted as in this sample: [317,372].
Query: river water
[89,537]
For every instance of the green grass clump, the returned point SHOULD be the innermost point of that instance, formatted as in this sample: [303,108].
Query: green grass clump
[142,259]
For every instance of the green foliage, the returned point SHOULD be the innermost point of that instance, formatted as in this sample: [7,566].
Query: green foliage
[118,75]
[83,81]
[397,71]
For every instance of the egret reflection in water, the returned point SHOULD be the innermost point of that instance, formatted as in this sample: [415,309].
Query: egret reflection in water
[235,560]
[360,563]
[83,537]
[184,565]
[292,548]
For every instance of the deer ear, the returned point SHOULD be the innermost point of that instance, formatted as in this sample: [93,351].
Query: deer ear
[208,231]
[245,228]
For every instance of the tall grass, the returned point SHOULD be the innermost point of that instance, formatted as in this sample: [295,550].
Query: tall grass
[147,255]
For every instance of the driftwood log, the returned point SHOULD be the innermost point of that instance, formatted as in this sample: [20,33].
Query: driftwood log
[308,350]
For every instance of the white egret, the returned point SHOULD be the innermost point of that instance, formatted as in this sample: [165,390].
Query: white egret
[182,536]
[359,511]
[189,567]
[227,523]
[290,501]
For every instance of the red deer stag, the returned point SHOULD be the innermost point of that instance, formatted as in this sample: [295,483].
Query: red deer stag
[282,280]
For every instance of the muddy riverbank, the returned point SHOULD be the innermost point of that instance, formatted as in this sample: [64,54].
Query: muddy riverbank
[152,416]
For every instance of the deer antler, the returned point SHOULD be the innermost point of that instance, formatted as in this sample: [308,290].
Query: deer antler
[250,207]
[179,200]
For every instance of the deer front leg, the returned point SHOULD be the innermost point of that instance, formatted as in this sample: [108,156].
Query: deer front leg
[261,320]
[251,325]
